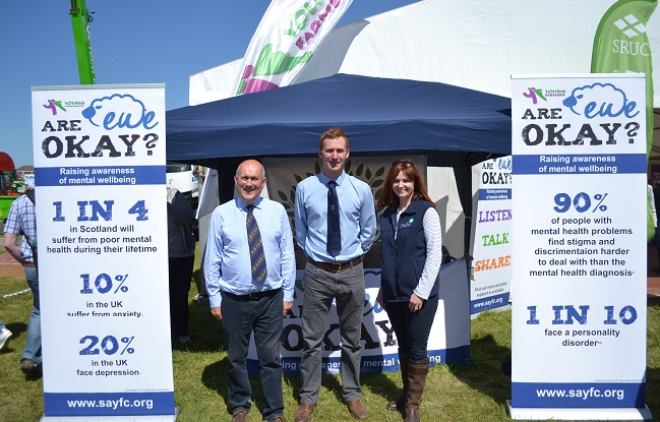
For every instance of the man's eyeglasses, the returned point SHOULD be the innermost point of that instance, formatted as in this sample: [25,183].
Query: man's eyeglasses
[406,163]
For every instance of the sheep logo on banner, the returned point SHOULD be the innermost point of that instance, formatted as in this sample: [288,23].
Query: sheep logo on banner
[119,111]
[600,100]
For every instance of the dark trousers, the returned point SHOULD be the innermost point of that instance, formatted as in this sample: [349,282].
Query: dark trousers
[412,329]
[240,316]
[180,275]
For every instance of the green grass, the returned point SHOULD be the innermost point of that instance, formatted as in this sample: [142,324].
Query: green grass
[475,392]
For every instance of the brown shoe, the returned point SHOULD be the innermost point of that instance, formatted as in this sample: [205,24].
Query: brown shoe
[357,409]
[304,412]
[278,419]
[240,416]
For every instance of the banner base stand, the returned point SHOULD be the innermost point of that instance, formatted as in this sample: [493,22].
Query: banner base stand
[608,414]
[146,418]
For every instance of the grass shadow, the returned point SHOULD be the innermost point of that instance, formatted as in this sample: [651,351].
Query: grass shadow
[214,377]
[652,353]
[382,385]
[328,381]
[377,382]
[34,376]
[204,330]
[653,390]
[257,393]
[333,384]
[484,372]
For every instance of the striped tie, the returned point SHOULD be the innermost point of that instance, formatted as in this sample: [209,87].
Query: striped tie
[257,256]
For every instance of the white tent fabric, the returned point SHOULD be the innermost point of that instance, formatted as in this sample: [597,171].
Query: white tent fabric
[475,44]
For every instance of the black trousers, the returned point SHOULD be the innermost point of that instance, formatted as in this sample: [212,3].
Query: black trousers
[241,316]
[412,329]
[180,277]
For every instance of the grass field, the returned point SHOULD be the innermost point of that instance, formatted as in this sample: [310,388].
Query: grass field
[475,392]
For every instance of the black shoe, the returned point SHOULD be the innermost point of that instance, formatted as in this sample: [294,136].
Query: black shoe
[29,367]
[201,298]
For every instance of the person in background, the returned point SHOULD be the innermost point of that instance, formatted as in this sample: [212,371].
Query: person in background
[652,201]
[181,257]
[411,255]
[250,272]
[22,219]
[654,196]
[202,296]
[335,226]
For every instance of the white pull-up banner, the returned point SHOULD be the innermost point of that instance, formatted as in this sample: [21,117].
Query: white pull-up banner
[579,247]
[99,157]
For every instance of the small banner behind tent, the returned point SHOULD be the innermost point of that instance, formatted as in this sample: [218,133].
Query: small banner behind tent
[491,283]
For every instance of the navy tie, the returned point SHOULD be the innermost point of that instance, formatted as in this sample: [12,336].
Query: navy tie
[334,232]
[257,256]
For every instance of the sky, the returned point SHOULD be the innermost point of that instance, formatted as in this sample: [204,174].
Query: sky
[133,41]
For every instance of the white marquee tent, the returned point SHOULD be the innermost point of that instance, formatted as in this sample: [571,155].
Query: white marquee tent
[475,44]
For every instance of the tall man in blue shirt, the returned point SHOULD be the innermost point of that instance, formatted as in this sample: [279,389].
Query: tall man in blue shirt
[335,226]
[250,273]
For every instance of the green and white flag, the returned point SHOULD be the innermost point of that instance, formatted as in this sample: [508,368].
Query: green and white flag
[285,40]
[621,45]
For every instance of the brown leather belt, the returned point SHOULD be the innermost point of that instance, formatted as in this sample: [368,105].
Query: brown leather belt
[30,264]
[335,267]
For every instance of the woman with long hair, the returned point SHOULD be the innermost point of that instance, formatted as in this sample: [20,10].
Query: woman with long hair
[411,254]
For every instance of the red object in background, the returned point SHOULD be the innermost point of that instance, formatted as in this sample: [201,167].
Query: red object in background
[6,163]
[7,166]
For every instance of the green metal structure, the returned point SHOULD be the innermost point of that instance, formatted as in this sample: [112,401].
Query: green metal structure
[80,19]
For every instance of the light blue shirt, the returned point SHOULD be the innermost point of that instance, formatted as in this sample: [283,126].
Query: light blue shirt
[357,217]
[227,266]
[22,219]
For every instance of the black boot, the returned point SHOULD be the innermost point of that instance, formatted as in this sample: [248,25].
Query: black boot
[400,403]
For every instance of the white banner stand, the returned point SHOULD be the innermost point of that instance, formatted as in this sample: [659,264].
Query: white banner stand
[579,414]
[579,250]
[167,418]
[99,156]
